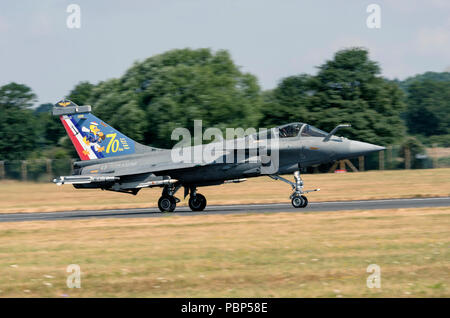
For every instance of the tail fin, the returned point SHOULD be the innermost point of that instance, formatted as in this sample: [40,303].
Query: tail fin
[92,137]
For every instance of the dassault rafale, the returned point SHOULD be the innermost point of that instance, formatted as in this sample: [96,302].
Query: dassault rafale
[112,161]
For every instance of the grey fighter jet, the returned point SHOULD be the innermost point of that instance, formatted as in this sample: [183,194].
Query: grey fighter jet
[112,161]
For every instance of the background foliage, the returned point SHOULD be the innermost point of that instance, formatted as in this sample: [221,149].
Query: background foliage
[172,89]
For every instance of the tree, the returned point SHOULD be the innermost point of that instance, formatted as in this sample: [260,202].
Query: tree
[428,111]
[172,89]
[287,102]
[15,95]
[43,108]
[18,127]
[431,76]
[347,89]
[129,118]
[50,128]
[51,135]
[81,93]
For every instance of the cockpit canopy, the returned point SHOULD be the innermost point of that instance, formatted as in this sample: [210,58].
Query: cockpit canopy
[290,130]
[305,130]
[311,131]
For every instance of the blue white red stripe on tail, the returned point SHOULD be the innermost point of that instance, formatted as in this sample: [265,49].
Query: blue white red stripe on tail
[83,149]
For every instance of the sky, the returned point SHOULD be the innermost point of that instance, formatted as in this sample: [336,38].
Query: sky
[268,38]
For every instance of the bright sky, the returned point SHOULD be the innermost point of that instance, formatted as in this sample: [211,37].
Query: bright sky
[268,38]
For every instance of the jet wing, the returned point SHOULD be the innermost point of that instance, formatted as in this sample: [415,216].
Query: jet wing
[153,168]
[94,171]
[123,173]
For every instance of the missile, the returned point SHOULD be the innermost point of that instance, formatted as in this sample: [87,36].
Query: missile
[235,181]
[156,183]
[82,179]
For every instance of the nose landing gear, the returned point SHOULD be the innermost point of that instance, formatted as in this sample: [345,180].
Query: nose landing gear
[297,197]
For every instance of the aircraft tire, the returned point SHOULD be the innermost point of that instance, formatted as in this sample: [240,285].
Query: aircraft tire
[297,201]
[197,202]
[305,201]
[167,203]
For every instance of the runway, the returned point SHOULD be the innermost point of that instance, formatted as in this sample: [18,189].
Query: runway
[230,209]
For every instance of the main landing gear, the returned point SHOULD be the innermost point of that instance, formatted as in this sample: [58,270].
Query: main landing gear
[297,197]
[168,202]
[197,201]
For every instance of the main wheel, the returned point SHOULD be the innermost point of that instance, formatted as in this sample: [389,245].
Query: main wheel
[167,203]
[297,201]
[305,201]
[197,202]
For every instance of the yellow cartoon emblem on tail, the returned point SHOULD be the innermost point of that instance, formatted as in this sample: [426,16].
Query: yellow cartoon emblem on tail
[94,136]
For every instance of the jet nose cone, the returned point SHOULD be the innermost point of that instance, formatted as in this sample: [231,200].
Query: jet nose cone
[358,148]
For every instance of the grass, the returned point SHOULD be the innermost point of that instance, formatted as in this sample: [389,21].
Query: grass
[45,197]
[250,255]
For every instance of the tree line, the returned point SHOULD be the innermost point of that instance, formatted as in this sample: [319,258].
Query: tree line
[172,89]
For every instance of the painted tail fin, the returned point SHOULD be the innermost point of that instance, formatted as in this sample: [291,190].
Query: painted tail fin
[92,137]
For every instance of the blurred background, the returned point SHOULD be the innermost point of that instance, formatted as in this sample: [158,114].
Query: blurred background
[149,67]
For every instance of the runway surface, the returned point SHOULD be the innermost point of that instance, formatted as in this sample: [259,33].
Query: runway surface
[231,209]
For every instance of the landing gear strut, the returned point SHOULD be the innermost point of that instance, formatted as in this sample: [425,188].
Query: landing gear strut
[297,197]
[197,201]
[168,202]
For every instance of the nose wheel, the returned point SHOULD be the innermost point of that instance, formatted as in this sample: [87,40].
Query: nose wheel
[298,199]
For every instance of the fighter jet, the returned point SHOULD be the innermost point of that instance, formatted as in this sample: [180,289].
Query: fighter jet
[114,162]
